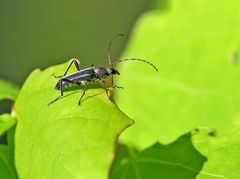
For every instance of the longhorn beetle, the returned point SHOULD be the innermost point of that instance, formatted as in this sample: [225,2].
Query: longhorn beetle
[88,75]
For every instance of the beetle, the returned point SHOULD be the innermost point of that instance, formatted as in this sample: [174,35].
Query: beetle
[82,77]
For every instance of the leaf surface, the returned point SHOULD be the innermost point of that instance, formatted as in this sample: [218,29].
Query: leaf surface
[184,158]
[8,90]
[222,153]
[195,45]
[65,140]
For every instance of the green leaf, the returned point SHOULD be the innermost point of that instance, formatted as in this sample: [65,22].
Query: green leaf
[6,122]
[222,154]
[184,158]
[176,160]
[8,90]
[65,140]
[7,167]
[195,47]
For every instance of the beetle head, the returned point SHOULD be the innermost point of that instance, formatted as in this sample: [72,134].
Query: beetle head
[112,71]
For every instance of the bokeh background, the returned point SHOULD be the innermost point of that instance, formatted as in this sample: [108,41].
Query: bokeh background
[194,44]
[37,34]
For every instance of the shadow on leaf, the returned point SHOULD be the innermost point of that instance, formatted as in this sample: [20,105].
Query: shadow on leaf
[176,160]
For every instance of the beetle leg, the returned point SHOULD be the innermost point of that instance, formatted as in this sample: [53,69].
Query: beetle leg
[61,93]
[107,91]
[84,90]
[112,80]
[57,76]
[115,86]
[108,95]
[76,63]
[61,89]
[100,79]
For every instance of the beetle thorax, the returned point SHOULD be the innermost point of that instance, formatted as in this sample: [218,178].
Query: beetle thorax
[104,72]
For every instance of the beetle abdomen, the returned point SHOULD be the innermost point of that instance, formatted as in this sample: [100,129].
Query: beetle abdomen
[77,78]
[65,85]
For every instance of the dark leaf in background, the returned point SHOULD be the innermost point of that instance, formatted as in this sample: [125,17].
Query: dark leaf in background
[7,166]
[8,90]
[179,159]
[6,122]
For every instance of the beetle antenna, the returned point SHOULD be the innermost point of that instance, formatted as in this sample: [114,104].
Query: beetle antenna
[110,47]
[141,60]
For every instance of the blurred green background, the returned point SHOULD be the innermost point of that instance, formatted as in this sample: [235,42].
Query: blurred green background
[195,45]
[37,34]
